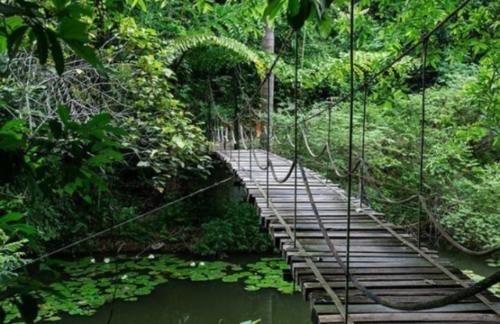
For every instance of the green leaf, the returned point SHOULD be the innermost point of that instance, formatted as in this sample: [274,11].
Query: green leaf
[42,46]
[142,5]
[293,7]
[297,17]
[88,54]
[3,44]
[98,121]
[57,53]
[13,22]
[325,26]
[273,8]
[15,38]
[12,135]
[60,4]
[23,228]
[63,113]
[11,218]
[14,125]
[73,30]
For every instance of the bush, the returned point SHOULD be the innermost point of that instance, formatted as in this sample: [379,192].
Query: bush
[237,230]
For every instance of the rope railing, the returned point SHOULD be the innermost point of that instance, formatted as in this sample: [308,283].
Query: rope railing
[408,306]
[358,166]
[363,165]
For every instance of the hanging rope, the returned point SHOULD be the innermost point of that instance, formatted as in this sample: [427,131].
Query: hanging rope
[296,139]
[349,165]
[237,120]
[363,159]
[268,136]
[422,140]
[308,147]
[433,303]
[434,220]
[115,271]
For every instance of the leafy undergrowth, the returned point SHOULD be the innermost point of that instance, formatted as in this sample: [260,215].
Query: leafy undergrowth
[88,284]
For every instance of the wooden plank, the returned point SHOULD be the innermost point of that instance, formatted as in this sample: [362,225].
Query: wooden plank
[374,308]
[412,317]
[383,257]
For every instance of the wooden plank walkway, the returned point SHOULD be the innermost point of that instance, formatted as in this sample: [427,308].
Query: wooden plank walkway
[383,257]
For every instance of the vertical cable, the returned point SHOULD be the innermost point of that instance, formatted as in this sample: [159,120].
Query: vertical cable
[115,271]
[329,133]
[250,152]
[422,140]
[349,183]
[209,123]
[268,137]
[224,137]
[363,131]
[237,120]
[230,140]
[296,139]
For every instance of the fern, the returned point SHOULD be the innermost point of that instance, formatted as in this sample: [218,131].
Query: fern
[184,44]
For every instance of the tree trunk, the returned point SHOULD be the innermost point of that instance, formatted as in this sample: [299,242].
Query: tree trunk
[267,90]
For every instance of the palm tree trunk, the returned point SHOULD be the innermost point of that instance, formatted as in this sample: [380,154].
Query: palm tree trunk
[267,90]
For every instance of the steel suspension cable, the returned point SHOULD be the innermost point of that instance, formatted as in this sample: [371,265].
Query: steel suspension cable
[115,272]
[237,117]
[268,138]
[296,139]
[363,159]
[349,178]
[250,150]
[128,221]
[422,140]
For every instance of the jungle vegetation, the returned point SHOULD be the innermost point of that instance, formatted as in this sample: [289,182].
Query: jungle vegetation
[105,108]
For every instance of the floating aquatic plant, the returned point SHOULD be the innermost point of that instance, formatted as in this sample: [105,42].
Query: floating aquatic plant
[88,284]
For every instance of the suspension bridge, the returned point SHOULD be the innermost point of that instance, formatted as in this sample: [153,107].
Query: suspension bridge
[352,265]
[383,258]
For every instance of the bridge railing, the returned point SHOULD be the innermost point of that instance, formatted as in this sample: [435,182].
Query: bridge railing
[230,136]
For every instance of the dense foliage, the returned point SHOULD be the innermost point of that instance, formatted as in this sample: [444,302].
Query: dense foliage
[107,108]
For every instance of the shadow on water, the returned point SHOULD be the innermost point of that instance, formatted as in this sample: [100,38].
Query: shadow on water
[184,301]
[468,262]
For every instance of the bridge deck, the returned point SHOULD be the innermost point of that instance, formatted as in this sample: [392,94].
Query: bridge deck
[383,257]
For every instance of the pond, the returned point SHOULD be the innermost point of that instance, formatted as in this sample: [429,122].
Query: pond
[479,265]
[168,289]
[185,301]
[215,301]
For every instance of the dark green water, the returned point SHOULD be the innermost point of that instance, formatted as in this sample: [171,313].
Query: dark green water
[184,301]
[467,262]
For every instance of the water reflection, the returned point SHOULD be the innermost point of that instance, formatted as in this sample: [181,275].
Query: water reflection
[184,301]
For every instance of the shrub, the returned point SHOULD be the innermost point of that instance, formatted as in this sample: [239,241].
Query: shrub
[237,230]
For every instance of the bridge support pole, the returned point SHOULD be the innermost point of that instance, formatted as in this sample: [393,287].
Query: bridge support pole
[422,141]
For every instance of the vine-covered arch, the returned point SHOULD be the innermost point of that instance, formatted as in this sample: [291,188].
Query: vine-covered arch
[184,44]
